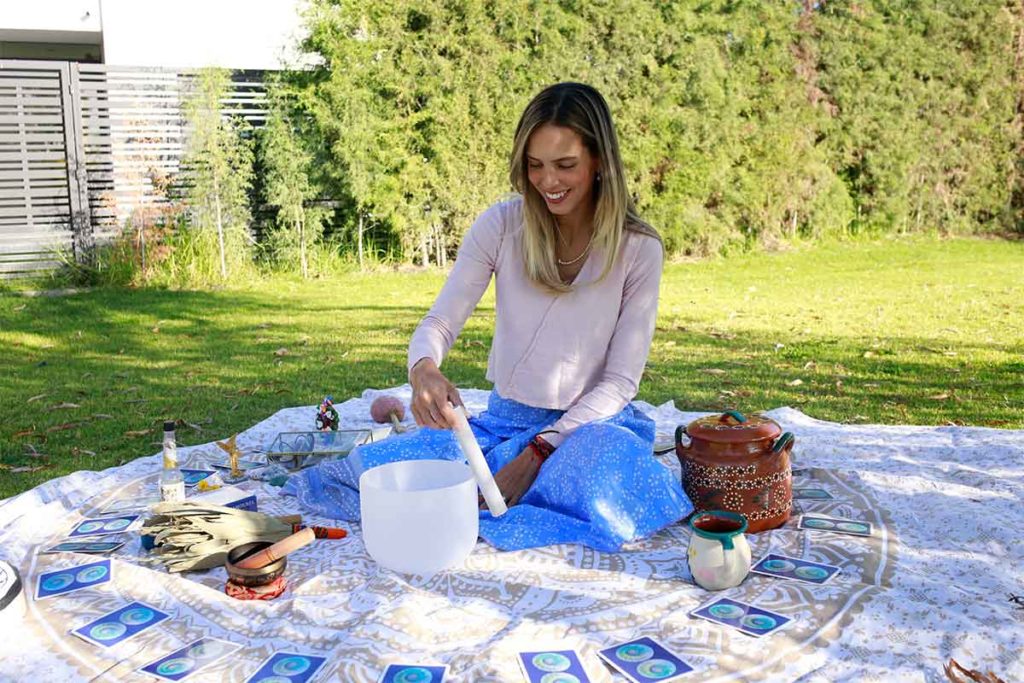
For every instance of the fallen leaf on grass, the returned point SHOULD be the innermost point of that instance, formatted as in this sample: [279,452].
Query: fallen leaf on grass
[36,398]
[282,352]
[24,432]
[102,416]
[721,335]
[939,397]
[63,406]
[726,392]
[810,365]
[20,308]
[138,432]
[869,354]
[712,371]
[795,383]
[62,427]
[20,470]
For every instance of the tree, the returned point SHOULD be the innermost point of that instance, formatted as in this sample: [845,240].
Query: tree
[287,164]
[218,172]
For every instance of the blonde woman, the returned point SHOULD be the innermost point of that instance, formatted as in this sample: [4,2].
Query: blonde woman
[576,279]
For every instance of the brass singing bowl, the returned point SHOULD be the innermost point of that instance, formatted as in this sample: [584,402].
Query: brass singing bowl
[253,577]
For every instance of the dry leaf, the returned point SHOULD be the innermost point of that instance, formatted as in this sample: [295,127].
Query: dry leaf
[282,352]
[939,397]
[726,392]
[60,428]
[810,365]
[795,383]
[102,416]
[24,432]
[869,354]
[63,406]
[20,308]
[36,398]
[138,432]
[954,671]
[712,371]
[19,470]
[156,330]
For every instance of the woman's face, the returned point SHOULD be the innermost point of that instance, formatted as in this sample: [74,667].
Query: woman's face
[562,169]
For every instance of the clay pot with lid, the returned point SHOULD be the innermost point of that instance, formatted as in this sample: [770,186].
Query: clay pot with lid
[738,463]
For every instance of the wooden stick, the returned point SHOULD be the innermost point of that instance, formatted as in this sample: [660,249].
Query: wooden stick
[286,545]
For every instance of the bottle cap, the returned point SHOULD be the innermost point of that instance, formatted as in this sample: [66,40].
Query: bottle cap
[169,426]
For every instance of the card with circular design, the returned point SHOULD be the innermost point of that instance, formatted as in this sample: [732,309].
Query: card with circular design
[742,616]
[121,624]
[287,667]
[102,526]
[645,659]
[182,663]
[553,666]
[784,567]
[414,673]
[61,581]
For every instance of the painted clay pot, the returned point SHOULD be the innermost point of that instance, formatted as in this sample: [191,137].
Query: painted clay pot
[738,463]
[719,554]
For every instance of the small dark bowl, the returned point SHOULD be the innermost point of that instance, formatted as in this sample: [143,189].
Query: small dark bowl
[253,577]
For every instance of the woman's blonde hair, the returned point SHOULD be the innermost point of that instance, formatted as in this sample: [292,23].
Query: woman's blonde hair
[582,109]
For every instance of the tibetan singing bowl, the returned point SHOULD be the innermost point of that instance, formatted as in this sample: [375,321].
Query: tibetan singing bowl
[252,577]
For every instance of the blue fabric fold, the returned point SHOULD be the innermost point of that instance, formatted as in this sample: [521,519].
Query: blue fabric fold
[602,487]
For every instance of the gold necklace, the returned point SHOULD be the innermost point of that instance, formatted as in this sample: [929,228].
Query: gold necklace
[582,253]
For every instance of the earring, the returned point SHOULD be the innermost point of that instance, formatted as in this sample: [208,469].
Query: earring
[597,178]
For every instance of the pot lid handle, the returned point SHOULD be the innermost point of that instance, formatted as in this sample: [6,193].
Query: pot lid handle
[732,417]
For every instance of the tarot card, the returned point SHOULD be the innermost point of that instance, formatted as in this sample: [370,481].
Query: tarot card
[193,477]
[127,507]
[836,524]
[121,624]
[539,665]
[785,567]
[102,526]
[64,581]
[747,618]
[414,673]
[86,547]
[811,493]
[645,659]
[182,663]
[288,666]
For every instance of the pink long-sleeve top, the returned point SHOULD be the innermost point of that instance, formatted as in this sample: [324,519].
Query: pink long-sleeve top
[582,351]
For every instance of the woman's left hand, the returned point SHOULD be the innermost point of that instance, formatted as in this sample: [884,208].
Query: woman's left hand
[515,478]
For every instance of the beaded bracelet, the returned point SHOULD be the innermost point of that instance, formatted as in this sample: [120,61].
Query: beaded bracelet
[541,448]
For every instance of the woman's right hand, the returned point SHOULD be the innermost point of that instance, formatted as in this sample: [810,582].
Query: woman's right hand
[432,396]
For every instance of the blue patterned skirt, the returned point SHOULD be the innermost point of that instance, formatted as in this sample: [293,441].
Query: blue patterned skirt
[602,487]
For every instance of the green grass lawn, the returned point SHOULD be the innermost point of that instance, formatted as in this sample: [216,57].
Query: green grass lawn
[910,332]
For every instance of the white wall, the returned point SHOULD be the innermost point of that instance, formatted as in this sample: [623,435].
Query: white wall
[244,34]
[50,15]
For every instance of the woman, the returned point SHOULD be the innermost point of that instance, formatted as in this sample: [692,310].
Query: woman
[576,280]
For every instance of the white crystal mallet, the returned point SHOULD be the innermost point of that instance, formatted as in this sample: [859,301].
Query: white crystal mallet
[475,458]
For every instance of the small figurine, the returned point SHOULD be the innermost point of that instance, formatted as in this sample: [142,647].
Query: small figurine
[327,417]
[229,447]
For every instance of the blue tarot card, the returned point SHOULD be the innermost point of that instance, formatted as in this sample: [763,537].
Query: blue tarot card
[751,620]
[811,493]
[121,624]
[791,568]
[182,663]
[836,524]
[193,477]
[645,659]
[102,526]
[73,578]
[87,547]
[414,673]
[553,666]
[287,667]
